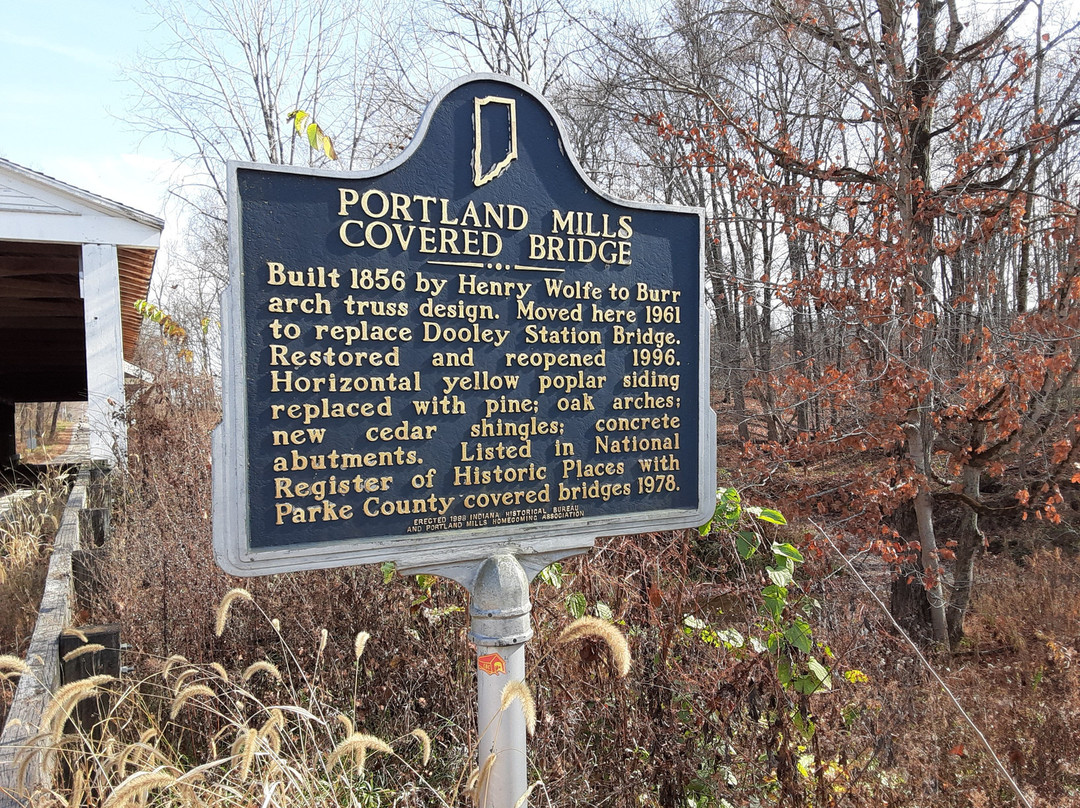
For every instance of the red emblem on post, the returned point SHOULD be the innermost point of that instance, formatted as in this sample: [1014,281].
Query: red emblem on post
[491,664]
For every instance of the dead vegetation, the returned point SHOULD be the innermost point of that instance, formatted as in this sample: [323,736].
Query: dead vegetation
[704,717]
[28,522]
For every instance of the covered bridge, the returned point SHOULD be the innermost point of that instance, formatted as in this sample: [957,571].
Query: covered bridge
[72,264]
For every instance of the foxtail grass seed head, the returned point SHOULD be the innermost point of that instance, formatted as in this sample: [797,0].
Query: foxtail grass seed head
[261,666]
[360,643]
[90,648]
[223,607]
[74,632]
[187,693]
[323,636]
[358,744]
[517,690]
[276,624]
[131,756]
[602,630]
[11,664]
[78,789]
[244,748]
[345,722]
[171,662]
[483,777]
[528,793]
[137,786]
[185,674]
[219,669]
[272,739]
[425,745]
[64,701]
[275,722]
[188,796]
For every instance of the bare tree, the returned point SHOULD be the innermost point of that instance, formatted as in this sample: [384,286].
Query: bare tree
[534,41]
[223,87]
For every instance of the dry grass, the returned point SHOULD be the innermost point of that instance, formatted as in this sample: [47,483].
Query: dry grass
[701,720]
[26,531]
[189,735]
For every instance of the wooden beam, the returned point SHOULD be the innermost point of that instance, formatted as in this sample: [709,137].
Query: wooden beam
[51,387]
[49,308]
[16,322]
[39,287]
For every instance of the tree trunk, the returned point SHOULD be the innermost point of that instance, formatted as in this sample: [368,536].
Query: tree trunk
[52,422]
[800,323]
[908,604]
[967,546]
[907,597]
[918,451]
[39,422]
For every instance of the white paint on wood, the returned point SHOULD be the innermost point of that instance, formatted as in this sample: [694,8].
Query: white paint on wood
[19,200]
[36,207]
[104,351]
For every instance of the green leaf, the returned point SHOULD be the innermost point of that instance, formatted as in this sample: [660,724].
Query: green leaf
[603,611]
[772,644]
[780,576]
[316,137]
[787,551]
[552,575]
[798,635]
[806,726]
[728,506]
[816,681]
[745,544]
[328,148]
[769,515]
[783,672]
[775,599]
[576,605]
[425,582]
[777,592]
[775,607]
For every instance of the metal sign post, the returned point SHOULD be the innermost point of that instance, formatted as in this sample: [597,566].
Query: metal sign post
[471,361]
[500,609]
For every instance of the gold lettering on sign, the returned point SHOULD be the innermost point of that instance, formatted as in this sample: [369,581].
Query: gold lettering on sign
[437,345]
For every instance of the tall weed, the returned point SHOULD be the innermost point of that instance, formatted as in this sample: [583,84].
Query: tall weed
[27,526]
[704,717]
[268,733]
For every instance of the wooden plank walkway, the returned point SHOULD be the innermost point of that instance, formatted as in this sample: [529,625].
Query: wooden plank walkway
[36,687]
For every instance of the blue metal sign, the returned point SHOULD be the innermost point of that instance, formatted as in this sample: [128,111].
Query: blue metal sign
[469,350]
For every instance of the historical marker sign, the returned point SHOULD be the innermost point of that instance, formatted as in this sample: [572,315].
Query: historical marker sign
[471,350]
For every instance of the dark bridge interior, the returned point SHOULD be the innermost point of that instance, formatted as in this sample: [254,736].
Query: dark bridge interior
[42,329]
